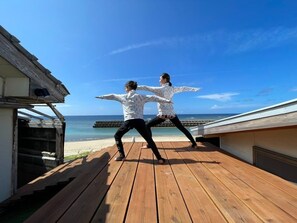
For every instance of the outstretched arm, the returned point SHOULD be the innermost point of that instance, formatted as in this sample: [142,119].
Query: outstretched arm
[116,97]
[183,89]
[156,90]
[157,99]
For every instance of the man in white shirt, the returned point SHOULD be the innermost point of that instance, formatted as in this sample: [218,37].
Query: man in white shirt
[133,104]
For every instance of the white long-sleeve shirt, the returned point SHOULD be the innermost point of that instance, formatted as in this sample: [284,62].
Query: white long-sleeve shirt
[167,92]
[133,103]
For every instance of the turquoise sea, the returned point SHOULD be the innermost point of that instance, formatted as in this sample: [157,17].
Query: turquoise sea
[80,128]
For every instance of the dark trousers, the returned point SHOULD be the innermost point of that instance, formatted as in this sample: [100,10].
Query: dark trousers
[157,120]
[139,125]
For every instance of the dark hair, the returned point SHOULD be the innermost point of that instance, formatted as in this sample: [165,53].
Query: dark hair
[167,78]
[131,84]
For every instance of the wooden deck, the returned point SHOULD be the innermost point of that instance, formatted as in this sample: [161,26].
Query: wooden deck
[195,185]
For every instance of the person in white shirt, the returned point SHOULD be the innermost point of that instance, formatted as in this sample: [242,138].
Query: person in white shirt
[133,104]
[166,111]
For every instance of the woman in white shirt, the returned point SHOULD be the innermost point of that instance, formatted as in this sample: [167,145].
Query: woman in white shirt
[166,111]
[133,104]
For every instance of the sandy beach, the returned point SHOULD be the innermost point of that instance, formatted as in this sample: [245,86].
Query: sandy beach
[74,148]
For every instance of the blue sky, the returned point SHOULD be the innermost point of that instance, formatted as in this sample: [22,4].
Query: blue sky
[242,54]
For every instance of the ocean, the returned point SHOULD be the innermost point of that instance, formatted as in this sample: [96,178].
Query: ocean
[80,128]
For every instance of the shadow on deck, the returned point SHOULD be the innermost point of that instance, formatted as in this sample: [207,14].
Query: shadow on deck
[195,185]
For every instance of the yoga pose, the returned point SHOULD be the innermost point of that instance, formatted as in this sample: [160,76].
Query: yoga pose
[133,104]
[165,111]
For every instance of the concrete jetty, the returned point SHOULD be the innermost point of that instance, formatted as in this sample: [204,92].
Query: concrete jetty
[167,123]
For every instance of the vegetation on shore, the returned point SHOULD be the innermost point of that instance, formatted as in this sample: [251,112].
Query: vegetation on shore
[76,156]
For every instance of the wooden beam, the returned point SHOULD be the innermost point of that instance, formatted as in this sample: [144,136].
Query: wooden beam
[40,113]
[32,116]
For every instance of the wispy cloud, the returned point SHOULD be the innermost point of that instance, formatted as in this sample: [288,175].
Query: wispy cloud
[265,92]
[162,41]
[219,97]
[133,47]
[232,106]
[129,78]
[217,42]
[224,42]
[248,40]
[142,77]
[294,89]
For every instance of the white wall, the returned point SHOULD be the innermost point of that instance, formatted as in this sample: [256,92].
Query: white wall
[279,140]
[239,144]
[17,86]
[6,143]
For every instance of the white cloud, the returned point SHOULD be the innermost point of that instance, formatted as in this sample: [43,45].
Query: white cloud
[131,47]
[265,92]
[142,77]
[214,107]
[233,106]
[219,97]
[249,40]
[224,41]
[162,41]
[130,78]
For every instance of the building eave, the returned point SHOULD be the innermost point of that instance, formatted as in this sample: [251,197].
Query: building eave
[40,77]
[277,116]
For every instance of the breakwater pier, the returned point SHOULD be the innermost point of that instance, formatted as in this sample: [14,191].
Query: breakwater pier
[167,123]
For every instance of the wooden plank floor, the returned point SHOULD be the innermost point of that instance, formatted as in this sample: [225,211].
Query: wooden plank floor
[195,185]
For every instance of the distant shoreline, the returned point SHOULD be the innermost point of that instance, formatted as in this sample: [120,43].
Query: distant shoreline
[77,147]
[80,128]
